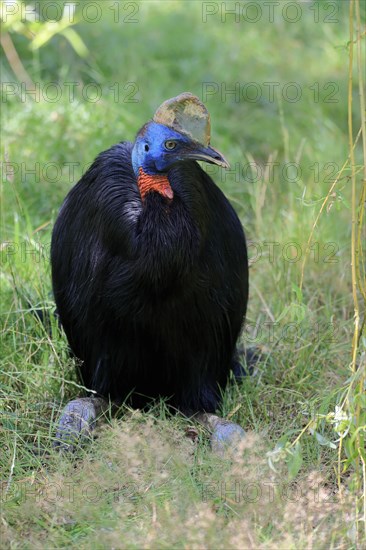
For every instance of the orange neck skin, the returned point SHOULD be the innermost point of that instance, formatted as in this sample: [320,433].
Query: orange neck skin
[157,183]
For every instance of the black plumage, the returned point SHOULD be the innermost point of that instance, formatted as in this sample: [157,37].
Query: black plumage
[151,293]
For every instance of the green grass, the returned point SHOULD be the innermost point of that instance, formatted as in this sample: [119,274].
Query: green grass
[150,479]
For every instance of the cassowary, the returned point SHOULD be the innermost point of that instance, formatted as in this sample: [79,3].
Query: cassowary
[150,273]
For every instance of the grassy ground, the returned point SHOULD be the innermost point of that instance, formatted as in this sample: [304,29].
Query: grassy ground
[143,483]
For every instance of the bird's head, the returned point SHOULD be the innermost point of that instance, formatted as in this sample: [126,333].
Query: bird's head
[158,147]
[179,131]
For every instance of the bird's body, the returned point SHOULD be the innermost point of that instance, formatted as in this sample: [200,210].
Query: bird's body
[150,278]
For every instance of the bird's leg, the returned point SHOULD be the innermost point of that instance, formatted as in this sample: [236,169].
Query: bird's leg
[225,435]
[78,420]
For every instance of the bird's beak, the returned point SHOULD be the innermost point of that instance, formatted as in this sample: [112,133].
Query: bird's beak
[207,154]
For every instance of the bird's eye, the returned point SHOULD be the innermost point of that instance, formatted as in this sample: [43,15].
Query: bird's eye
[146,147]
[170,144]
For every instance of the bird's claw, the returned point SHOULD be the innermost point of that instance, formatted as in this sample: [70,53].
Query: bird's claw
[77,422]
[225,435]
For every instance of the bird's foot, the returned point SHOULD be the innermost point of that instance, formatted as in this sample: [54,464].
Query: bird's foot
[225,435]
[77,422]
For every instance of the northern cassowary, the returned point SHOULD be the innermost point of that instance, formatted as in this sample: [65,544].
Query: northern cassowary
[150,271]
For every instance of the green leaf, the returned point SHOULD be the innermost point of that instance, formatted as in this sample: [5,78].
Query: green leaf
[76,42]
[298,293]
[324,441]
[294,461]
[350,449]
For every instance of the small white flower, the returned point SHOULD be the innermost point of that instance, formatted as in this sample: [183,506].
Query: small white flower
[341,421]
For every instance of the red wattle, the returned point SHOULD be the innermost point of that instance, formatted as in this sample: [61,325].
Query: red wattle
[156,182]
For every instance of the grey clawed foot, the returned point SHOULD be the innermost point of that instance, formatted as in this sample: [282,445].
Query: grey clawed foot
[79,417]
[225,435]
[77,422]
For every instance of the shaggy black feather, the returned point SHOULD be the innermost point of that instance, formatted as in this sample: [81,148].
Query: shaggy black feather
[152,295]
